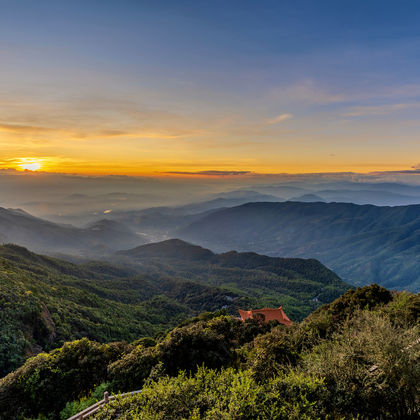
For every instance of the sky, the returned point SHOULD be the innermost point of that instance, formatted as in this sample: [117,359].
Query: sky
[209,88]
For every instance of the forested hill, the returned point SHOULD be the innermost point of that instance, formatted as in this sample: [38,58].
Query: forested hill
[362,244]
[298,284]
[183,255]
[45,301]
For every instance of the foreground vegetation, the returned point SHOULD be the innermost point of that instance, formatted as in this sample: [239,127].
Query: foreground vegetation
[356,357]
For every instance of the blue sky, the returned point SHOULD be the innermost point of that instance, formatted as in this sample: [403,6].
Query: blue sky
[248,85]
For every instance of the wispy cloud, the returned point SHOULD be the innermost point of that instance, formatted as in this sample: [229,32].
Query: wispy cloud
[307,92]
[210,173]
[401,172]
[280,118]
[29,129]
[94,117]
[360,111]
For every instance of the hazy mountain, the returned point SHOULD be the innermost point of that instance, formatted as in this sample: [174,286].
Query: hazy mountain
[229,199]
[19,227]
[395,187]
[377,193]
[158,223]
[284,190]
[308,198]
[362,244]
[172,248]
[366,196]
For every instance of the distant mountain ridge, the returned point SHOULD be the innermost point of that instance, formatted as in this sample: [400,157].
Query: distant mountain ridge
[19,227]
[265,281]
[172,248]
[181,250]
[363,244]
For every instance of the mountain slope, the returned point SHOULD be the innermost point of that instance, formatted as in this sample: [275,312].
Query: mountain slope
[300,285]
[362,244]
[172,248]
[45,301]
[17,226]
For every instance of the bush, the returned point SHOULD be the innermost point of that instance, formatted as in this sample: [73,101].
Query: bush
[45,383]
[75,407]
[210,342]
[274,352]
[369,368]
[130,372]
[227,394]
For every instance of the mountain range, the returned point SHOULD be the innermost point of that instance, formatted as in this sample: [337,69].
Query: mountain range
[363,244]
[20,227]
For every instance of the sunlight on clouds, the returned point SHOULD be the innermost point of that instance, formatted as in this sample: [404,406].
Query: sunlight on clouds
[361,111]
[280,118]
[29,164]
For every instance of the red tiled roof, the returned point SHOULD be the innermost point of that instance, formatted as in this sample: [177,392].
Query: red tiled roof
[270,314]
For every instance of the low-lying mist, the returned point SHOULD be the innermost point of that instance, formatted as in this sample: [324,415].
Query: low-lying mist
[80,199]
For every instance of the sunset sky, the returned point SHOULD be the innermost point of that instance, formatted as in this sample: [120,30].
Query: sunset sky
[179,87]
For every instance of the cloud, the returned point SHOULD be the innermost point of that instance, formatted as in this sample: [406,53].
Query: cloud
[311,92]
[210,173]
[280,118]
[402,172]
[92,117]
[307,92]
[360,111]
[22,128]
[86,134]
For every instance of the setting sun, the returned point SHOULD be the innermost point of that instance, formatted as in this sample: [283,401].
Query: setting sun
[30,164]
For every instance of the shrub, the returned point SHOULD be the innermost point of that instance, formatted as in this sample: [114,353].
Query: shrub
[227,394]
[369,368]
[45,383]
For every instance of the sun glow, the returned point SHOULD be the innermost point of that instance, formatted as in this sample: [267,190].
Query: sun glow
[30,164]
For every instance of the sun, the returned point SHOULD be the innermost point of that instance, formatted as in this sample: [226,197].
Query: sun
[30,164]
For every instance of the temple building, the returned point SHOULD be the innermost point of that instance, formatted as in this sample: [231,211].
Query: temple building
[270,314]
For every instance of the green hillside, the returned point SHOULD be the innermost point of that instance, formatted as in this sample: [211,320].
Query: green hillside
[357,357]
[300,285]
[45,302]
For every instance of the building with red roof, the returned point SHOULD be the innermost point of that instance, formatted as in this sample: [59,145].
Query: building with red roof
[270,314]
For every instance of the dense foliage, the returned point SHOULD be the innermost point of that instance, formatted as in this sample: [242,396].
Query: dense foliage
[45,302]
[356,357]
